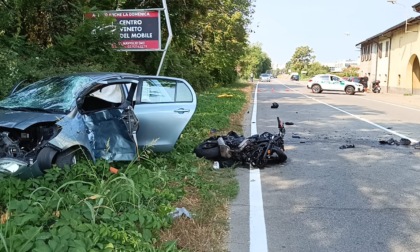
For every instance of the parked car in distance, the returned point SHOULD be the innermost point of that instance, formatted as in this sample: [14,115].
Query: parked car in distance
[56,120]
[265,77]
[294,76]
[330,82]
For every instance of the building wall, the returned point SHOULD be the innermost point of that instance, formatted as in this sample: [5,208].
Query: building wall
[383,61]
[368,62]
[404,66]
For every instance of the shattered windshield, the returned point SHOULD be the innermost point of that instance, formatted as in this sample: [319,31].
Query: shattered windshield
[56,94]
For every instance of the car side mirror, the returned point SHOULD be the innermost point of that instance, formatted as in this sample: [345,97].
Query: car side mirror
[79,102]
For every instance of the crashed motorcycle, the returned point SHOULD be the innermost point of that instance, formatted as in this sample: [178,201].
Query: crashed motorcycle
[257,150]
[376,87]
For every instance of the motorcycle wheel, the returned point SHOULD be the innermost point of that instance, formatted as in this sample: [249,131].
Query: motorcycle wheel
[278,156]
[208,150]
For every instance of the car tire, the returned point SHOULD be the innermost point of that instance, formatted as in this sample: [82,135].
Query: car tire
[316,88]
[350,90]
[69,157]
[208,150]
[45,158]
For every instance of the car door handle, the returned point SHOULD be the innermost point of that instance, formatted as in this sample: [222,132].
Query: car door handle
[182,111]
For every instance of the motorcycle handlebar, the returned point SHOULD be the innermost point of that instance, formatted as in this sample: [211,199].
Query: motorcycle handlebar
[279,123]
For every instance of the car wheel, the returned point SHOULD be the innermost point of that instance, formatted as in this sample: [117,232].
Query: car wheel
[350,90]
[45,158]
[316,88]
[208,150]
[69,157]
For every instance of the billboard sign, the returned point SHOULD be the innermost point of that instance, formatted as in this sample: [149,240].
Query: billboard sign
[139,30]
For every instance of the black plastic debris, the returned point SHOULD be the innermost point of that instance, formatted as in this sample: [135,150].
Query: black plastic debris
[346,146]
[392,141]
[212,131]
[295,136]
[405,141]
[275,105]
[289,123]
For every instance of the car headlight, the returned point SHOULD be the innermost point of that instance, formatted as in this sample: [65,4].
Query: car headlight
[9,165]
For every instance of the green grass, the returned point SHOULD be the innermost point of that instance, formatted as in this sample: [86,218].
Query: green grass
[87,208]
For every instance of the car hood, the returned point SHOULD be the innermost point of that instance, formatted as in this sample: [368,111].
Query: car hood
[22,119]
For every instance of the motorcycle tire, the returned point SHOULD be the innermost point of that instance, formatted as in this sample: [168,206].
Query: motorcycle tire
[208,150]
[281,157]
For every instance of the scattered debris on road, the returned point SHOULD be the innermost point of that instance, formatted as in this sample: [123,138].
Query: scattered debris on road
[275,105]
[392,141]
[289,123]
[346,146]
[294,135]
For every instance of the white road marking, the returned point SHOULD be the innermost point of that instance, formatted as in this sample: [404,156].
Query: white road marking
[358,117]
[257,230]
[392,104]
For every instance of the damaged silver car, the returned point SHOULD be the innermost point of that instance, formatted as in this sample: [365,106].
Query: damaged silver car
[98,115]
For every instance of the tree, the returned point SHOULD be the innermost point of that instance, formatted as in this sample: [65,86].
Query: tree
[44,37]
[254,61]
[316,68]
[351,71]
[301,59]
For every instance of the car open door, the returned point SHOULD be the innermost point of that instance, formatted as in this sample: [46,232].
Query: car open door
[110,120]
[164,106]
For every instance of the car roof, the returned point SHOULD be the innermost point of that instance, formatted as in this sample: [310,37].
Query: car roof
[97,76]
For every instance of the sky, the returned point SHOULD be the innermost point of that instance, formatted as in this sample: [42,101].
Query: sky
[331,28]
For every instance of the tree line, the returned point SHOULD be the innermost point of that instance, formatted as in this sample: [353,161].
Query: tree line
[46,37]
[303,60]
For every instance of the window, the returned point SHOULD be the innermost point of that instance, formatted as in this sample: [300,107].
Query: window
[165,91]
[386,49]
[104,97]
[154,91]
[380,50]
[183,93]
[324,78]
[362,52]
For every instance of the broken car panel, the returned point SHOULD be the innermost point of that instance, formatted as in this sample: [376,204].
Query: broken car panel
[105,115]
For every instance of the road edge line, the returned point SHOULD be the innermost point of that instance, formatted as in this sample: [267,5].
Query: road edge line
[257,229]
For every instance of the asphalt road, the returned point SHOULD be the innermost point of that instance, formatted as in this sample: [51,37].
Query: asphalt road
[325,198]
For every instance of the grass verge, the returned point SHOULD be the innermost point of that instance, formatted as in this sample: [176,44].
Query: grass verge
[87,208]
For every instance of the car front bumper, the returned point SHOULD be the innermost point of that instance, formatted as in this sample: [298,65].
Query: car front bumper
[18,168]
